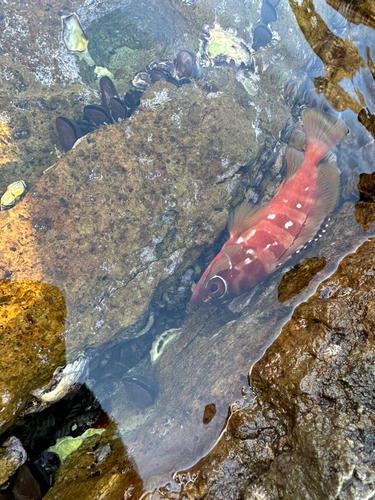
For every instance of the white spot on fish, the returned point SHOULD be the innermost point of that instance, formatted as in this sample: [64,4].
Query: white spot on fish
[275,243]
[240,240]
[247,261]
[252,232]
[285,201]
[306,189]
[298,205]
[250,251]
[288,224]
[268,246]
[271,216]
[230,262]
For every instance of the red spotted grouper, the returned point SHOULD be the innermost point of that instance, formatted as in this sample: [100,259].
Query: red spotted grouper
[260,240]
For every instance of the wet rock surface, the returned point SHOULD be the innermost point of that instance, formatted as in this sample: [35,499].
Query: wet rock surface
[130,205]
[298,278]
[32,321]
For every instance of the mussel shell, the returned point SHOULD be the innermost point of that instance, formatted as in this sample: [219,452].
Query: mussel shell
[176,82]
[118,109]
[49,460]
[31,483]
[108,90]
[73,37]
[156,75]
[268,12]
[132,99]
[14,193]
[261,37]
[185,65]
[142,391]
[141,80]
[97,115]
[69,131]
[86,127]
[162,65]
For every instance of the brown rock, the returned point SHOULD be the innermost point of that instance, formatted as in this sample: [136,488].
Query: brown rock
[309,431]
[86,230]
[32,321]
[298,278]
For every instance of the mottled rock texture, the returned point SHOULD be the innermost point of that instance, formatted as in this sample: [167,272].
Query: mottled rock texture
[131,204]
[32,321]
[99,469]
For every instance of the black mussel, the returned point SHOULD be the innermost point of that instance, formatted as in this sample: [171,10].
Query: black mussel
[69,131]
[178,83]
[268,12]
[163,65]
[97,115]
[86,127]
[142,391]
[108,90]
[118,109]
[141,80]
[26,486]
[132,98]
[262,37]
[49,461]
[156,75]
[185,65]
[5,495]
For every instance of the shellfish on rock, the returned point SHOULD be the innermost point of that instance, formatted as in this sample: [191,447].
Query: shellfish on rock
[14,193]
[222,47]
[74,38]
[112,110]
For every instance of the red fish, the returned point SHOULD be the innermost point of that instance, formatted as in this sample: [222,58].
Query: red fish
[261,240]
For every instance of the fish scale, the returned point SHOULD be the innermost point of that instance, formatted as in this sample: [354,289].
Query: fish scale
[262,240]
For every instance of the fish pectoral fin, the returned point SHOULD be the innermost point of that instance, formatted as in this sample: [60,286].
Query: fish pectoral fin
[294,160]
[326,194]
[244,217]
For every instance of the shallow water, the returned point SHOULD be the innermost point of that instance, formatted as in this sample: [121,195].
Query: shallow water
[170,411]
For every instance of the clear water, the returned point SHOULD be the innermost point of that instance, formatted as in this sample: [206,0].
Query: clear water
[171,411]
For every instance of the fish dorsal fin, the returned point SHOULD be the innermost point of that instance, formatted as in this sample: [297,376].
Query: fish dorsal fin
[294,160]
[244,217]
[326,194]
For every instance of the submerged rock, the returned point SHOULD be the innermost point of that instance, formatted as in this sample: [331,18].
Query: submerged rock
[84,228]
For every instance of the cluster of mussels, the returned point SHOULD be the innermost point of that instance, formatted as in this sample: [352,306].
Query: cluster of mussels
[113,109]
[262,34]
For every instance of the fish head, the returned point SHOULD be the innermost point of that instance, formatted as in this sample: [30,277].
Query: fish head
[220,281]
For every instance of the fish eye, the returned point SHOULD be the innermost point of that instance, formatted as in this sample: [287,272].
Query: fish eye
[217,287]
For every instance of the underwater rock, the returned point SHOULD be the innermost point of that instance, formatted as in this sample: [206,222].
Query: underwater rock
[298,278]
[29,310]
[99,468]
[84,228]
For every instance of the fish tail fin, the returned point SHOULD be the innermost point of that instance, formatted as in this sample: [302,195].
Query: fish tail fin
[323,132]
